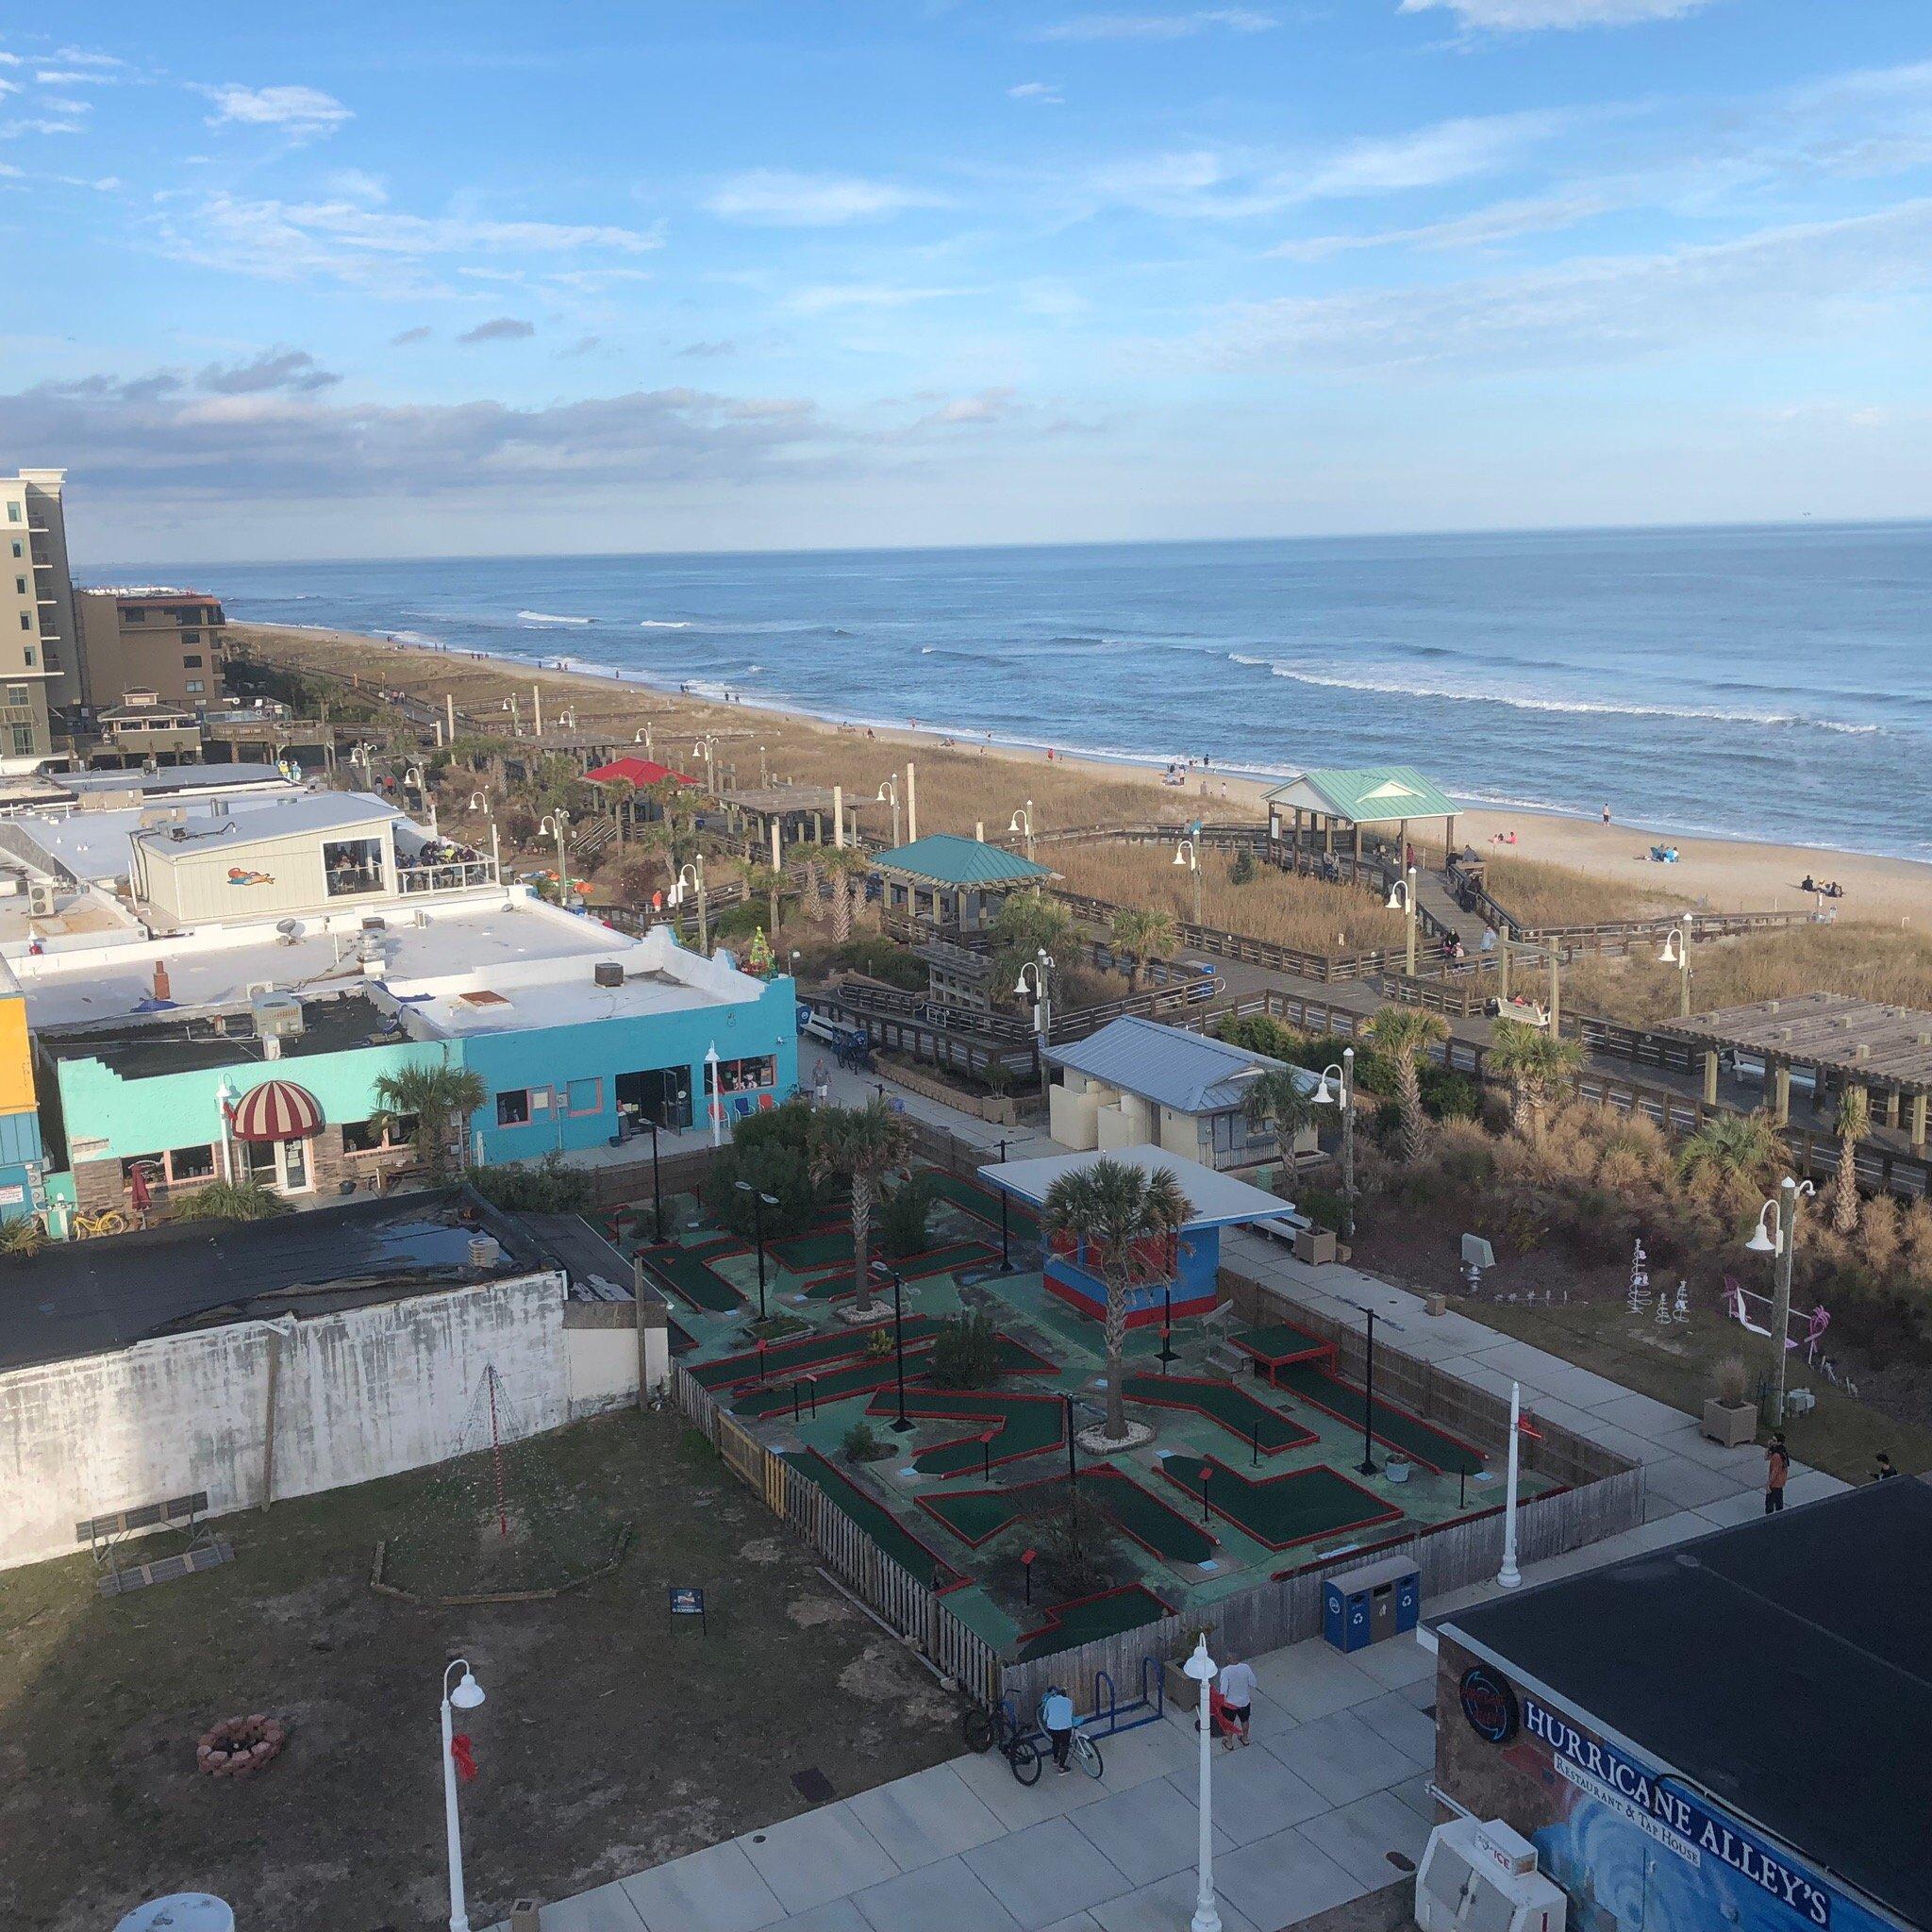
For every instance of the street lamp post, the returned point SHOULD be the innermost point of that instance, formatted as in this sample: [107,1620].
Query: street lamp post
[1006,1249]
[715,1100]
[694,873]
[1021,822]
[1187,853]
[707,748]
[1676,952]
[759,1202]
[1204,1670]
[1783,1247]
[1344,1093]
[657,1186]
[881,1271]
[1510,1576]
[1402,899]
[558,823]
[1041,992]
[466,1695]
[891,789]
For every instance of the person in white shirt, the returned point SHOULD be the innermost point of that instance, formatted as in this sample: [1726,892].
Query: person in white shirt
[1237,1695]
[1056,1720]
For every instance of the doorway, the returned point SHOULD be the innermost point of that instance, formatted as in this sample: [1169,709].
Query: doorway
[658,1093]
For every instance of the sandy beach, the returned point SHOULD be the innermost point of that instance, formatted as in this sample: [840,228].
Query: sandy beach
[1724,874]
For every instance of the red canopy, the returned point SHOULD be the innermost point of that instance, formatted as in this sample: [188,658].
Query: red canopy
[641,772]
[275,1110]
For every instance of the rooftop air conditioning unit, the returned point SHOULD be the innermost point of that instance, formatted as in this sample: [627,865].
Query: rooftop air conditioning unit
[277,1018]
[39,899]
[1484,1873]
[608,973]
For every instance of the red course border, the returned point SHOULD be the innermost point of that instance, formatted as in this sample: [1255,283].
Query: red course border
[928,1403]
[1383,1512]
[1097,1469]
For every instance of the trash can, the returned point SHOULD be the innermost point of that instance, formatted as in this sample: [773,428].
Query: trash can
[1374,1601]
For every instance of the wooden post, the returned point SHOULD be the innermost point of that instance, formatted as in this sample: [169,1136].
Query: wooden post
[1918,1121]
[1711,1076]
[1781,1105]
[1891,1106]
[776,862]
[536,707]
[837,815]
[1448,839]
[911,806]
[449,713]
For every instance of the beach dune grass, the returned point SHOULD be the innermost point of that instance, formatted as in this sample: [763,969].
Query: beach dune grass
[1539,894]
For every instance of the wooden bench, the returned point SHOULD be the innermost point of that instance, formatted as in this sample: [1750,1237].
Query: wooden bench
[105,1534]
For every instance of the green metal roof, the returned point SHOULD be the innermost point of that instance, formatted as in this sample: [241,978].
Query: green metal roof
[947,860]
[1375,797]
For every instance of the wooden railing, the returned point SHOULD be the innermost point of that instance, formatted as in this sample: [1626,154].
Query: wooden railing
[1326,967]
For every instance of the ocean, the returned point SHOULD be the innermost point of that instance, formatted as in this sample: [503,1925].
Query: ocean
[1771,683]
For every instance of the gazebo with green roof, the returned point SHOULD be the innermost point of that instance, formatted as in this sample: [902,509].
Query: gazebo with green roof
[953,881]
[1307,811]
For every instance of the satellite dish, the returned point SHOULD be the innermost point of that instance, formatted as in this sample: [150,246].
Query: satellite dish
[180,1911]
[291,930]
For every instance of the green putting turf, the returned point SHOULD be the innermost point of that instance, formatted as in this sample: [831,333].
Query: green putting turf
[1085,1618]
[973,1515]
[1234,1408]
[1028,1425]
[984,1203]
[805,1352]
[924,1565]
[1276,1343]
[1395,1428]
[876,1371]
[688,1271]
[943,1260]
[1281,1510]
[804,1253]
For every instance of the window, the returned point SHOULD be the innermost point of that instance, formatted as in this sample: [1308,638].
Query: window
[352,865]
[26,620]
[191,637]
[193,686]
[585,1096]
[27,655]
[13,512]
[133,613]
[19,583]
[378,1135]
[18,694]
[513,1108]
[743,1076]
[23,740]
[19,548]
[178,1167]
[190,662]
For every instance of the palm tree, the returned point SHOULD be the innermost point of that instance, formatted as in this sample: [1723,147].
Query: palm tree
[1278,1099]
[769,881]
[1853,1122]
[1536,1064]
[1405,1034]
[436,1096]
[1118,1211]
[843,865]
[622,797]
[1023,926]
[1142,934]
[863,1144]
[1741,1147]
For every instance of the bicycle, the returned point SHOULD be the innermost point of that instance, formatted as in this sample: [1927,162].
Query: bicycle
[1083,1750]
[983,1729]
[108,1221]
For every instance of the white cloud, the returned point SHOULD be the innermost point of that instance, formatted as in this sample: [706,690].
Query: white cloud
[1043,92]
[994,405]
[823,299]
[302,113]
[1480,228]
[15,130]
[1518,16]
[1157,27]
[55,105]
[353,184]
[80,56]
[9,87]
[775,198]
[73,76]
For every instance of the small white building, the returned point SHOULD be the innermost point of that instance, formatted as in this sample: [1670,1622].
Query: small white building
[1136,1081]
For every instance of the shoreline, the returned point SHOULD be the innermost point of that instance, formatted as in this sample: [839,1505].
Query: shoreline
[1727,872]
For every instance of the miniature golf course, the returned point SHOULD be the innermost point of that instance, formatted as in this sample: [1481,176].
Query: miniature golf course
[1234,1408]
[806,1352]
[983,1204]
[1394,1427]
[1085,1619]
[923,1564]
[1274,1344]
[689,1274]
[870,1372]
[974,1515]
[1023,1426]
[837,1285]
[1281,1510]
[804,1253]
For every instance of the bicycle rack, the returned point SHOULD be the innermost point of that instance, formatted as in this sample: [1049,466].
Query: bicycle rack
[1147,1708]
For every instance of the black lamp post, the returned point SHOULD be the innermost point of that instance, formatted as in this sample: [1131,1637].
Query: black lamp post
[1367,1465]
[759,1202]
[902,1422]
[1167,1351]
[656,1187]
[1005,1253]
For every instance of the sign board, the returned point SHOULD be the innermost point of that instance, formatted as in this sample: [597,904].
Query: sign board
[83,1146]
[687,1601]
[13,1195]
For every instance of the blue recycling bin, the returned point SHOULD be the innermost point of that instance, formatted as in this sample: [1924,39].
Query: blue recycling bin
[1363,1606]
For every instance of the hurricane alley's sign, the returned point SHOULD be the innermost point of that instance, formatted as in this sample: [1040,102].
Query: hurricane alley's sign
[1670,1816]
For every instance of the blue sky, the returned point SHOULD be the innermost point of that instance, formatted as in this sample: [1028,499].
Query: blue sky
[411,279]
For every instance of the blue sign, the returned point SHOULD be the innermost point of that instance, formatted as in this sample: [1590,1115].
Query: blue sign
[1702,1838]
[686,1602]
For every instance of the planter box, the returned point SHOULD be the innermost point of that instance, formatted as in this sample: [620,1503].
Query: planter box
[1730,1424]
[1315,1245]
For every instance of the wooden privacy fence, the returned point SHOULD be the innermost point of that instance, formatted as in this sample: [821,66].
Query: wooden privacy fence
[887,1588]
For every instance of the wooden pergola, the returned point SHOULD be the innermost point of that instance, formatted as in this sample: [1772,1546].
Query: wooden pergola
[791,808]
[1389,798]
[1884,1050]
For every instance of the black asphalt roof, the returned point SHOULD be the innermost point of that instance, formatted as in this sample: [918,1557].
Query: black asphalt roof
[1783,1666]
[83,1297]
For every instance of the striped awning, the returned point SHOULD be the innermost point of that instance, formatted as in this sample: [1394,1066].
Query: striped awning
[275,1110]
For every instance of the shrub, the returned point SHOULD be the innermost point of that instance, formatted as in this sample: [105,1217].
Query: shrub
[230,1201]
[1729,1379]
[1075,1544]
[861,1443]
[1241,873]
[548,1187]
[903,1212]
[740,922]
[965,1353]
[771,1168]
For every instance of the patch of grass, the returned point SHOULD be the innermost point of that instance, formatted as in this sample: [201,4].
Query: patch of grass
[1538,893]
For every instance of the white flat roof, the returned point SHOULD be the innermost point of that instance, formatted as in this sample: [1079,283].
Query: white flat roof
[255,821]
[1218,1199]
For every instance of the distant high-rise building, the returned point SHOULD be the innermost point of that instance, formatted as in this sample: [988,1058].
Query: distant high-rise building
[166,642]
[40,628]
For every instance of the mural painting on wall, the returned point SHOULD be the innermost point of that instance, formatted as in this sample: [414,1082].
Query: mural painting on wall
[241,875]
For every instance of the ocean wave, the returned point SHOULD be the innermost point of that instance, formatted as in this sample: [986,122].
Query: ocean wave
[550,617]
[1578,707]
[659,623]
[415,637]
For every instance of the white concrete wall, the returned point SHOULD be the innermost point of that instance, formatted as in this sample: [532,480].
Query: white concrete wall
[358,1394]
[1180,1133]
[601,1352]
[1071,1116]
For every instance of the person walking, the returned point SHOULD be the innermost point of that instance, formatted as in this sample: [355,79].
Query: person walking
[1778,1471]
[1056,1719]
[1887,1469]
[1607,811]
[1238,1689]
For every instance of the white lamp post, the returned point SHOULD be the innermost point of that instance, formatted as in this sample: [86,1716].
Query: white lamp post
[891,789]
[717,1103]
[1041,992]
[1343,1093]
[1204,1670]
[226,1094]
[1402,899]
[694,874]
[1510,1576]
[1188,853]
[558,822]
[642,737]
[1783,1245]
[465,1695]
[1021,822]
[1676,952]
